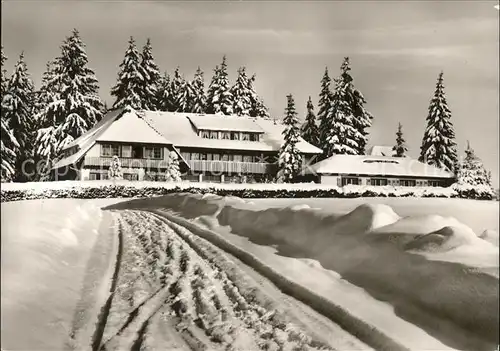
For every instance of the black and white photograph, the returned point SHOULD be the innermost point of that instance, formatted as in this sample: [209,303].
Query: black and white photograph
[250,175]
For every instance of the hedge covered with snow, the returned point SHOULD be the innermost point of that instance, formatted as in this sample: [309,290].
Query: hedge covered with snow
[128,189]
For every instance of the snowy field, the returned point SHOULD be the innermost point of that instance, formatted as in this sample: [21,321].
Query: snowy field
[190,272]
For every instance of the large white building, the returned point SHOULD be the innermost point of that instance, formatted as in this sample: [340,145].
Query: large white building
[379,168]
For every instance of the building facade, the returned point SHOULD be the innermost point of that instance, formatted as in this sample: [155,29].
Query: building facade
[213,148]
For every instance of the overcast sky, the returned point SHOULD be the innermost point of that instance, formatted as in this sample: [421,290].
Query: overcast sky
[397,49]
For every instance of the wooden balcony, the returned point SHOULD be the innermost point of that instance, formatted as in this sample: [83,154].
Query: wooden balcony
[194,165]
[125,162]
[231,167]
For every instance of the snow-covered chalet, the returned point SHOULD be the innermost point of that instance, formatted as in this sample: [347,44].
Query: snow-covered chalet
[213,148]
[378,167]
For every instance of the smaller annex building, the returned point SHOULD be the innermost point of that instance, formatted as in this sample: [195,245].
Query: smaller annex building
[378,168]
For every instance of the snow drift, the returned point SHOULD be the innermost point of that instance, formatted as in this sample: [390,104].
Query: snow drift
[434,271]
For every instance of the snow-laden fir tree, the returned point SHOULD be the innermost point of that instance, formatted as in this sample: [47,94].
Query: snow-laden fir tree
[128,89]
[471,170]
[199,98]
[173,173]
[78,107]
[8,144]
[258,108]
[5,80]
[17,110]
[325,99]
[164,99]
[348,118]
[219,98]
[151,78]
[46,143]
[242,103]
[115,169]
[8,147]
[400,148]
[309,130]
[438,144]
[289,157]
[178,92]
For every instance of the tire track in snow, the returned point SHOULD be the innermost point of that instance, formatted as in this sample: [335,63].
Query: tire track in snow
[173,284]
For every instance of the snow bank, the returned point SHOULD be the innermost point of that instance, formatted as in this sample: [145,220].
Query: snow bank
[431,269]
[45,249]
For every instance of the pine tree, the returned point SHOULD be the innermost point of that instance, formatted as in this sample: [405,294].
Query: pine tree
[8,147]
[173,173]
[258,108]
[5,80]
[199,98]
[8,144]
[115,169]
[164,94]
[289,158]
[151,78]
[177,92]
[78,107]
[219,98]
[438,144]
[17,109]
[310,130]
[347,117]
[471,170]
[242,103]
[128,89]
[46,143]
[325,100]
[400,148]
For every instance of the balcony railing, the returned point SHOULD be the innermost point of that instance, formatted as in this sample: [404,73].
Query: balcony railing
[125,162]
[230,167]
[194,165]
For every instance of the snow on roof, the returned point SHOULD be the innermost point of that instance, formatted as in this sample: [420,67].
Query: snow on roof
[380,150]
[224,123]
[376,165]
[178,128]
[132,129]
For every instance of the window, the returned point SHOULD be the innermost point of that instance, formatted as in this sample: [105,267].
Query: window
[245,136]
[381,161]
[186,155]
[407,182]
[235,136]
[203,157]
[153,152]
[378,181]
[126,151]
[350,180]
[130,176]
[247,158]
[108,150]
[94,176]
[226,135]
[254,137]
[237,158]
[225,157]
[205,134]
[214,135]
[434,183]
[216,157]
[137,152]
[195,156]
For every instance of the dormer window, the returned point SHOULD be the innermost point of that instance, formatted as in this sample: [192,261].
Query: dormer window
[205,134]
[245,136]
[214,135]
[235,136]
[226,135]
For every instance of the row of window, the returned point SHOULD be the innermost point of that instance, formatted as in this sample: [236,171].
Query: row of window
[129,151]
[197,156]
[244,136]
[384,182]
[104,176]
